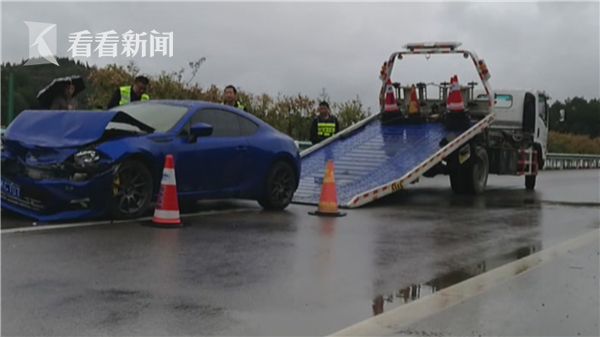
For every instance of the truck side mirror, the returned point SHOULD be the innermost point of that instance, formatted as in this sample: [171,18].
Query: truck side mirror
[562,115]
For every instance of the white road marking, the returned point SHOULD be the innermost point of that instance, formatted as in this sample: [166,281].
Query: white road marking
[389,323]
[36,228]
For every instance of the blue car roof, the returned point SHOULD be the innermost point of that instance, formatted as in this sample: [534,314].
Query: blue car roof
[186,102]
[196,104]
[180,102]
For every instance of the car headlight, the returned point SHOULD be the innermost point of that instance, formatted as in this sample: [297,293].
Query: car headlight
[86,158]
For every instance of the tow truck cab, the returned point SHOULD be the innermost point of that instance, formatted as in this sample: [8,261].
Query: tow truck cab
[521,122]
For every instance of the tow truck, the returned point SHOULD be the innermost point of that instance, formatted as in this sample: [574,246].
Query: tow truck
[414,135]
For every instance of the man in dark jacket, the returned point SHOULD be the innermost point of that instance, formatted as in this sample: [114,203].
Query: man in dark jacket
[130,93]
[324,125]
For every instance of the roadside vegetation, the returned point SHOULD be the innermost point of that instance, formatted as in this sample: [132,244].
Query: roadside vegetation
[291,114]
[570,143]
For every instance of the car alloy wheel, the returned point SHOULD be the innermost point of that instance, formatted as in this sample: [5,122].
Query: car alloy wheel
[281,184]
[132,190]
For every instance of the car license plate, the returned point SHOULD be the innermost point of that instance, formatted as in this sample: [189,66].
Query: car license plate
[10,189]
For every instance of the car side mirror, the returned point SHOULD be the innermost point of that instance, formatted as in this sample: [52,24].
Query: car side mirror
[201,130]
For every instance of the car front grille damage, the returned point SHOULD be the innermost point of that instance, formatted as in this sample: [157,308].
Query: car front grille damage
[15,168]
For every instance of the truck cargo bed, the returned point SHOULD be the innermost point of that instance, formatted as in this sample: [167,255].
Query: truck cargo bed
[372,160]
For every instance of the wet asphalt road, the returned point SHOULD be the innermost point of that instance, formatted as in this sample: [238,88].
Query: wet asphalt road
[556,298]
[257,273]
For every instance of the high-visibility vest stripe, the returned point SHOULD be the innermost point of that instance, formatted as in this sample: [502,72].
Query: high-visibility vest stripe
[126,95]
[325,129]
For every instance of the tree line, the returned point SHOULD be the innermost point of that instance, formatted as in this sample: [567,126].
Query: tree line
[580,130]
[291,114]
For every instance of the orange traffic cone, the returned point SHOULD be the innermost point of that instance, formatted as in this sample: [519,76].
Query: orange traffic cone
[166,213]
[455,101]
[391,104]
[328,205]
[413,105]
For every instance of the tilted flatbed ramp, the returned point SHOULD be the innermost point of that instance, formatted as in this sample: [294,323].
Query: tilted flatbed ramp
[373,160]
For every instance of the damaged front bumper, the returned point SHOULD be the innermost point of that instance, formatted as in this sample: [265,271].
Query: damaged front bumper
[50,200]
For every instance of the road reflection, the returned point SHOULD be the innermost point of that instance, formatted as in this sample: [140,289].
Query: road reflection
[417,291]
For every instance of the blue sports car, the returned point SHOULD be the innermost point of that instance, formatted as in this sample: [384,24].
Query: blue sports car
[64,165]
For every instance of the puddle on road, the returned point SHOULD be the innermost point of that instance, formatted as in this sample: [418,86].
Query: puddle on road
[414,292]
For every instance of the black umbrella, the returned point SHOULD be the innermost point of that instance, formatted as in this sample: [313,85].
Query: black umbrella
[57,88]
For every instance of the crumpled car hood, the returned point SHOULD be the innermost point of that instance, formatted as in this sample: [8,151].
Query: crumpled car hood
[42,128]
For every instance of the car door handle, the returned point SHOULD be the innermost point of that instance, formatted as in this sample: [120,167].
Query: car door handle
[242,148]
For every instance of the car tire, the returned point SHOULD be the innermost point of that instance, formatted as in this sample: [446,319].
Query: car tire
[131,190]
[279,187]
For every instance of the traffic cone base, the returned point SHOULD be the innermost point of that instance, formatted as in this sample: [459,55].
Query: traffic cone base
[166,217]
[334,215]
[165,225]
[166,213]
[328,205]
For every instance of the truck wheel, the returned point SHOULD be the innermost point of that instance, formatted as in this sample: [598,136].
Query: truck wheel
[457,181]
[530,182]
[478,173]
[471,177]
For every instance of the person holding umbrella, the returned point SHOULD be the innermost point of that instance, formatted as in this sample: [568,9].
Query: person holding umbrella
[60,93]
[66,101]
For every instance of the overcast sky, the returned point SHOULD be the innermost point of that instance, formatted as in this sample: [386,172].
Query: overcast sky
[292,48]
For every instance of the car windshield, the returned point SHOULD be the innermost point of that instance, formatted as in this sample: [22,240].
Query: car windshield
[161,117]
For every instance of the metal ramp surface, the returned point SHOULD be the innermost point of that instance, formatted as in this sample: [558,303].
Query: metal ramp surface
[374,160]
[372,156]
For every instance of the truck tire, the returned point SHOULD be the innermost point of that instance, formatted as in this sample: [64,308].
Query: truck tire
[457,181]
[478,172]
[471,177]
[530,182]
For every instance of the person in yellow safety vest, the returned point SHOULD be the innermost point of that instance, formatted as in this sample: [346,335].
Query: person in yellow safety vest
[324,125]
[230,98]
[130,93]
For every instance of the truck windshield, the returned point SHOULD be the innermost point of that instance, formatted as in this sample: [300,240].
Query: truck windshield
[502,100]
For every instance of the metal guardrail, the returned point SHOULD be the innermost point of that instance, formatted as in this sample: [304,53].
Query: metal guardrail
[566,161]
[554,161]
